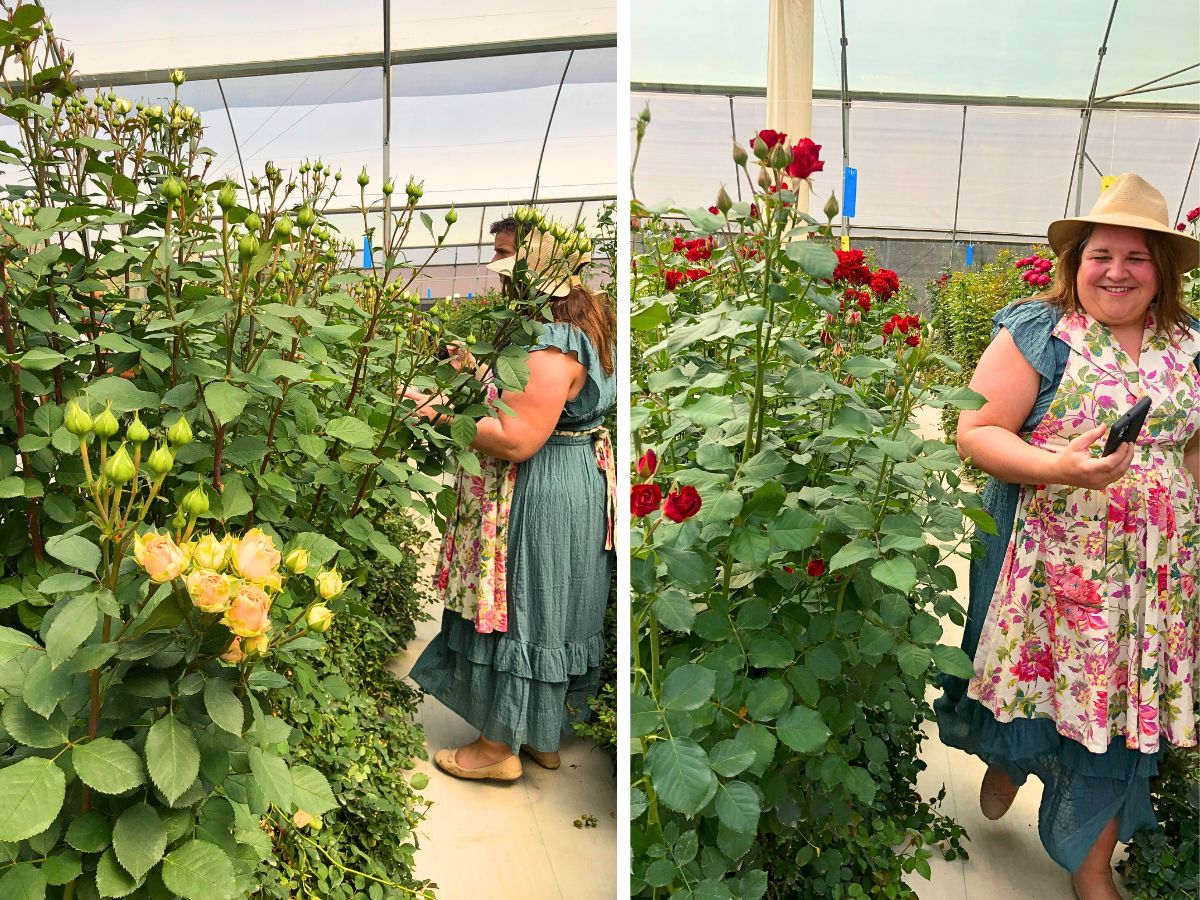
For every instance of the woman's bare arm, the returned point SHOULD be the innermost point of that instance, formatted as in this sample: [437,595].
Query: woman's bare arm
[552,377]
[990,437]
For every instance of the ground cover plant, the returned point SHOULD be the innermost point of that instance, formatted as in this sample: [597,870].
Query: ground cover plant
[791,534]
[198,386]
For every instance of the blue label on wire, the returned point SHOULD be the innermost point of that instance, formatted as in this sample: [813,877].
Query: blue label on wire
[970,254]
[849,191]
[366,251]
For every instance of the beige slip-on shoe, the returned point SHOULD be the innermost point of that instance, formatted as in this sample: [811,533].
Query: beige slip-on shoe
[995,797]
[547,760]
[508,769]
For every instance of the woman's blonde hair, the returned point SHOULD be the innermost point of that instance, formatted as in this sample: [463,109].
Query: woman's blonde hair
[1170,312]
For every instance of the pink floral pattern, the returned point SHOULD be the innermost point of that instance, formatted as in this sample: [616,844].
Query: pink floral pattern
[1093,622]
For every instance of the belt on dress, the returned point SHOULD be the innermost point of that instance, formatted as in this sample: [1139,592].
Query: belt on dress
[602,444]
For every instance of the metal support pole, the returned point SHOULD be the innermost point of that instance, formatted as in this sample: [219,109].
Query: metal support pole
[1187,184]
[537,176]
[845,121]
[387,124]
[1081,149]
[737,179]
[962,140]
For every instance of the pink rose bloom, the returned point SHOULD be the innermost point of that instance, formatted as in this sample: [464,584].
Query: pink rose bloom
[210,591]
[1161,511]
[160,556]
[443,579]
[247,616]
[1034,664]
[255,556]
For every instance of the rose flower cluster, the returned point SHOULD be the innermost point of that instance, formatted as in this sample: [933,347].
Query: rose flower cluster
[1037,269]
[908,327]
[236,578]
[646,496]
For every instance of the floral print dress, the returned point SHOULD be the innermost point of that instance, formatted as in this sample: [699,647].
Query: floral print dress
[1093,621]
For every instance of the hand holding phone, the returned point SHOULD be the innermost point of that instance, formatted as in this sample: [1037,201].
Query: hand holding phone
[1127,428]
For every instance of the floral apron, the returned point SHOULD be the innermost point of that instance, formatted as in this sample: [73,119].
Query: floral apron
[1093,622]
[471,575]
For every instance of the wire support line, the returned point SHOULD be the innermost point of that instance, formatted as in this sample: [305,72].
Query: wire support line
[1137,88]
[1187,184]
[1148,90]
[236,146]
[1081,144]
[537,176]
[278,107]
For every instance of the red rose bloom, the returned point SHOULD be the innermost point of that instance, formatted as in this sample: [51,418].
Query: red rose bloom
[913,339]
[816,568]
[672,278]
[697,274]
[1193,214]
[754,210]
[682,504]
[1181,227]
[850,267]
[805,159]
[648,464]
[884,284]
[644,499]
[770,137]
[789,570]
[677,245]
[714,210]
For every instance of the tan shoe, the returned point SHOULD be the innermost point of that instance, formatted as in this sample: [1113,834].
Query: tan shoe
[508,769]
[996,793]
[546,760]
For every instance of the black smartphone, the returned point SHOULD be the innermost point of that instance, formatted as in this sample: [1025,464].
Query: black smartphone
[1127,428]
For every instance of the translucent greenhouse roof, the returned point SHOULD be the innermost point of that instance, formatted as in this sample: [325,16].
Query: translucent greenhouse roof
[1021,48]
[475,86]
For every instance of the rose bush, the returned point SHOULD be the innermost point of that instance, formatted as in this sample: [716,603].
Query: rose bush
[786,605]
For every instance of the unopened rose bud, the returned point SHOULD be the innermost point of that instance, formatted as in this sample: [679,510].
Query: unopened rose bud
[319,619]
[119,467]
[329,584]
[760,148]
[177,77]
[363,178]
[161,460]
[123,106]
[227,199]
[415,191]
[724,203]
[195,502]
[252,222]
[781,156]
[257,645]
[210,553]
[451,216]
[247,247]
[838,349]
[297,561]
[172,189]
[137,433]
[76,420]
[740,157]
[106,424]
[388,187]
[180,433]
[831,207]
[764,178]
[306,217]
[283,228]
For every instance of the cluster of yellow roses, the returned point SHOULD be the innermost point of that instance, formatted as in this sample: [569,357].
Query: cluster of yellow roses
[236,577]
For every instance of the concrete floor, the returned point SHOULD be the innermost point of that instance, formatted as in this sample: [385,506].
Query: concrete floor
[491,841]
[1007,860]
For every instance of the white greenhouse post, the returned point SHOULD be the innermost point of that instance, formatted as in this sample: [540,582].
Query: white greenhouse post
[387,123]
[790,74]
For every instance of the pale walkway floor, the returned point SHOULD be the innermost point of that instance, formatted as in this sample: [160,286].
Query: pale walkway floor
[488,841]
[1007,860]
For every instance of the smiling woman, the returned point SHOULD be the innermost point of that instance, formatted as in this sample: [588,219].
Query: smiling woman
[1083,626]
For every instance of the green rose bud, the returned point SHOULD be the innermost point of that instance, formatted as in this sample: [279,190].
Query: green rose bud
[724,203]
[227,199]
[137,433]
[739,154]
[831,207]
[172,189]
[306,217]
[179,520]
[388,187]
[106,423]
[161,460]
[781,156]
[283,228]
[363,178]
[414,191]
[296,561]
[119,468]
[337,175]
[195,502]
[319,619]
[253,222]
[247,246]
[177,77]
[451,216]
[180,433]
[78,422]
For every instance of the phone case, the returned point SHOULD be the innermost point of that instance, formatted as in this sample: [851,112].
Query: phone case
[1127,428]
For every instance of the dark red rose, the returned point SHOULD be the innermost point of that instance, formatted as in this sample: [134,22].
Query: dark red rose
[672,278]
[816,568]
[850,267]
[678,244]
[805,159]
[1193,214]
[789,570]
[826,338]
[754,210]
[644,499]
[648,464]
[1181,227]
[682,504]
[913,339]
[865,302]
[885,283]
[697,274]
[770,137]
[714,210]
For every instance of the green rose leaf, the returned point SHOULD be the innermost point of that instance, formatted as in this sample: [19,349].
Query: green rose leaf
[109,766]
[463,430]
[855,551]
[644,717]
[794,529]
[802,729]
[199,871]
[681,774]
[71,627]
[172,757]
[223,707]
[688,687]
[31,795]
[13,643]
[953,661]
[24,881]
[352,431]
[874,641]
[311,791]
[60,868]
[111,879]
[860,783]
[914,660]
[225,401]
[897,573]
[139,839]
[27,727]
[273,778]
[40,359]
[771,651]
[816,259]
[730,758]
[77,552]
[738,806]
[674,611]
[90,833]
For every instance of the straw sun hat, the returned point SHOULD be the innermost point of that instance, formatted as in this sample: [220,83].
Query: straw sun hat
[1133,202]
[545,260]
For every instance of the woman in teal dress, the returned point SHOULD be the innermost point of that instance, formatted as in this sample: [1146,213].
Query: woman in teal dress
[527,560]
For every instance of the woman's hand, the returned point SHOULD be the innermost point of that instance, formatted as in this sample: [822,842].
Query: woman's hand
[1076,466]
[460,357]
[424,404]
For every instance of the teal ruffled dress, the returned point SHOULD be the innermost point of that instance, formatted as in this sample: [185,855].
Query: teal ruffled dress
[1082,791]
[526,684]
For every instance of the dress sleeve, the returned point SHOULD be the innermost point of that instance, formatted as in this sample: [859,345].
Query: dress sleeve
[1031,326]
